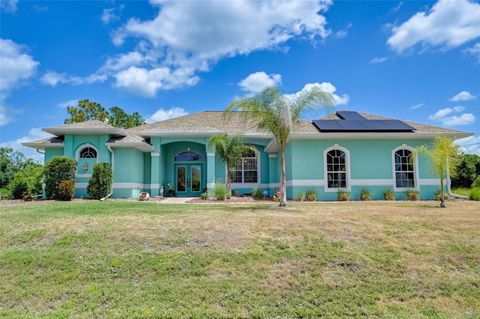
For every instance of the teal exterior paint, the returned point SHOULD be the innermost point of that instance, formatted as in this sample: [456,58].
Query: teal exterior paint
[52,152]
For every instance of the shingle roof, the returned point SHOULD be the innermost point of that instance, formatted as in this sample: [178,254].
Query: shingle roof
[87,126]
[54,141]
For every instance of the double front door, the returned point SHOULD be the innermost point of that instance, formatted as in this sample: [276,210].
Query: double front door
[188,179]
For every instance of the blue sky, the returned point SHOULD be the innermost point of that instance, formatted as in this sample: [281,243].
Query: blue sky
[415,61]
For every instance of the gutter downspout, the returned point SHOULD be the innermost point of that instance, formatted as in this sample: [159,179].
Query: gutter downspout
[113,166]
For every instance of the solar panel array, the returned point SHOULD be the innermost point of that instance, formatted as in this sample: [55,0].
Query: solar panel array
[354,122]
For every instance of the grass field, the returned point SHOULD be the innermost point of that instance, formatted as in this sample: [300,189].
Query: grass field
[147,260]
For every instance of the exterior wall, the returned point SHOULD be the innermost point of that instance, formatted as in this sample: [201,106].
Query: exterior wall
[52,152]
[128,173]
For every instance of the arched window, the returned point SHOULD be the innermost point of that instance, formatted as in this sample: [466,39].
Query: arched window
[188,156]
[247,169]
[88,152]
[404,169]
[336,168]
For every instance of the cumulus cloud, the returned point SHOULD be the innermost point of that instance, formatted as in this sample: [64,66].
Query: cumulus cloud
[53,78]
[447,24]
[475,51]
[16,66]
[324,86]
[470,145]
[33,134]
[111,14]
[256,82]
[445,116]
[463,96]
[378,60]
[165,114]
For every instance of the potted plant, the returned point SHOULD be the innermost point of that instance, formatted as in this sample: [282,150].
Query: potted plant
[365,195]
[342,195]
[412,195]
[311,195]
[300,197]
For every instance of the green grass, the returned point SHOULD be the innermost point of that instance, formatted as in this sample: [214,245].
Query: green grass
[465,191]
[147,260]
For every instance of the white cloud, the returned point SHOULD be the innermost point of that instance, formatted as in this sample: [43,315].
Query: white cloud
[165,114]
[448,24]
[343,33]
[53,78]
[324,86]
[445,111]
[33,134]
[463,96]
[470,145]
[416,106]
[475,51]
[256,82]
[8,5]
[146,82]
[64,105]
[464,119]
[16,66]
[111,14]
[378,60]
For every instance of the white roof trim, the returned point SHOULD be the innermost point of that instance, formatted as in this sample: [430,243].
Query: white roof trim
[42,145]
[141,146]
[360,135]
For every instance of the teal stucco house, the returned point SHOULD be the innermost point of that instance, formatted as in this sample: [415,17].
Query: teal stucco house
[345,150]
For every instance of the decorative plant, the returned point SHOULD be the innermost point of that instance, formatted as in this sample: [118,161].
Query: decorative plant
[66,190]
[277,196]
[100,184]
[365,194]
[230,149]
[439,194]
[272,111]
[28,196]
[258,193]
[220,191]
[58,169]
[444,158]
[388,194]
[342,195]
[300,197]
[411,194]
[204,196]
[311,195]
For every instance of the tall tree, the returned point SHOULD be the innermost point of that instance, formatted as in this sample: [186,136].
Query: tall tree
[444,159]
[468,171]
[11,162]
[87,110]
[230,149]
[277,114]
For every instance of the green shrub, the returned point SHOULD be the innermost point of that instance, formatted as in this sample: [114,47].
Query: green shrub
[365,194]
[66,189]
[28,196]
[475,193]
[204,196]
[258,193]
[220,191]
[342,195]
[5,193]
[311,195]
[300,196]
[58,169]
[18,188]
[29,179]
[412,195]
[388,194]
[476,182]
[100,184]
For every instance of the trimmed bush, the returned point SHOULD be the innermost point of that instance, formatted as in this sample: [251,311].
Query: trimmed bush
[311,195]
[412,195]
[66,189]
[388,194]
[300,197]
[475,193]
[258,193]
[57,170]
[100,184]
[365,194]
[342,195]
[220,191]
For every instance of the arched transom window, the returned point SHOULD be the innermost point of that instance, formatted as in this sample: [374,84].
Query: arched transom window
[247,169]
[404,169]
[336,169]
[88,152]
[188,156]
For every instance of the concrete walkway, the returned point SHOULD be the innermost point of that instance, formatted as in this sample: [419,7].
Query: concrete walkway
[176,200]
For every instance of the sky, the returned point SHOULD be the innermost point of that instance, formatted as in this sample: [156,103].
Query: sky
[417,61]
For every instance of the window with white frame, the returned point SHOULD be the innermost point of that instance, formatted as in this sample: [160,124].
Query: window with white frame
[247,169]
[404,169]
[88,152]
[336,169]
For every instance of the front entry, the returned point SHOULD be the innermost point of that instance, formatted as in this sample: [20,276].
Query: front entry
[188,179]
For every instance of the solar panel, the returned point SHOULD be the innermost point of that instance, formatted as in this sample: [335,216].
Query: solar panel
[354,122]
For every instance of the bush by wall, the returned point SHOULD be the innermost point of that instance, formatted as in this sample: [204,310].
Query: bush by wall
[311,195]
[258,193]
[100,184]
[220,191]
[57,170]
[66,189]
[388,194]
[475,193]
[412,195]
[365,194]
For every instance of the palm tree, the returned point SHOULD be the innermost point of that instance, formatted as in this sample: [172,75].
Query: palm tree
[277,114]
[444,158]
[230,149]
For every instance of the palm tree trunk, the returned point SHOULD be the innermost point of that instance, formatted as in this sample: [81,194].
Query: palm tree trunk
[283,178]
[228,184]
[442,194]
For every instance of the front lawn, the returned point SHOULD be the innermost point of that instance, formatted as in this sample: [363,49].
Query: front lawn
[150,260]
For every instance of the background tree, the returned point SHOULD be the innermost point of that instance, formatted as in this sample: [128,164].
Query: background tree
[444,158]
[11,162]
[87,110]
[230,149]
[277,114]
[27,180]
[468,170]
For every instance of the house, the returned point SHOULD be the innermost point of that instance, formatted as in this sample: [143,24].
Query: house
[345,150]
